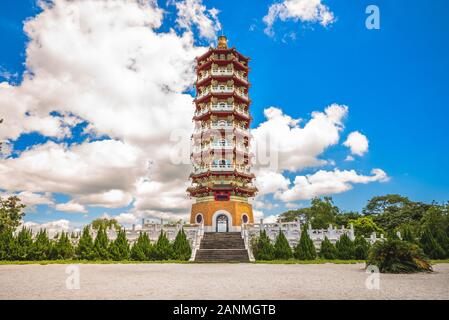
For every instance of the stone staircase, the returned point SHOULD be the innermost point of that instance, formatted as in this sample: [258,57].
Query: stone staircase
[222,247]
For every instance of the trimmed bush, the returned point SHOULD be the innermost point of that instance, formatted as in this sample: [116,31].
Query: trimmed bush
[22,245]
[305,249]
[397,256]
[328,250]
[85,249]
[262,247]
[163,250]
[6,243]
[430,246]
[63,248]
[361,248]
[142,249]
[41,246]
[282,250]
[181,247]
[119,248]
[345,248]
[101,245]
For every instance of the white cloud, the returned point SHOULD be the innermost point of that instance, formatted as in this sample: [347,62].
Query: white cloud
[349,158]
[270,182]
[327,182]
[357,142]
[52,227]
[293,147]
[122,77]
[303,10]
[194,13]
[70,207]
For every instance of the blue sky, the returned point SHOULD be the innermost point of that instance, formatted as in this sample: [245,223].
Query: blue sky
[394,80]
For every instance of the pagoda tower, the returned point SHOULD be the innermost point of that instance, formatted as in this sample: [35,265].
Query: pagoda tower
[221,159]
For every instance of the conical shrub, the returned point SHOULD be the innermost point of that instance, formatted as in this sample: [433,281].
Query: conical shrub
[263,249]
[305,249]
[119,248]
[328,250]
[361,248]
[282,250]
[85,249]
[142,250]
[163,250]
[181,247]
[345,248]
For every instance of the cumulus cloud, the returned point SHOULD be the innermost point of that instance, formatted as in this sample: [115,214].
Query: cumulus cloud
[287,145]
[71,207]
[52,227]
[357,143]
[327,182]
[126,80]
[304,10]
[31,199]
[194,13]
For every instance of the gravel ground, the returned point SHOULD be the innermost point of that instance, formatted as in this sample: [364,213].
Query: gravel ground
[217,281]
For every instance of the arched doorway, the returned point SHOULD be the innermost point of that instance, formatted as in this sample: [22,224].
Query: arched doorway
[222,223]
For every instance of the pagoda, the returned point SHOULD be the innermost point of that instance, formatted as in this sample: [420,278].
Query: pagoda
[221,158]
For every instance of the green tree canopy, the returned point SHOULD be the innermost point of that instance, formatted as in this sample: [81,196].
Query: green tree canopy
[365,226]
[11,212]
[105,223]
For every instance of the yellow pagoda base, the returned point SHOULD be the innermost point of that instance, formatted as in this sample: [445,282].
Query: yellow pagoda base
[222,216]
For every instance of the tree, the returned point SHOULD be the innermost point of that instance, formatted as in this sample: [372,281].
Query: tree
[142,250]
[6,244]
[85,249]
[11,212]
[397,256]
[436,221]
[361,248]
[387,203]
[282,250]
[365,226]
[263,249]
[328,250]
[430,246]
[105,223]
[342,219]
[22,245]
[63,248]
[119,248]
[407,234]
[305,249]
[323,212]
[163,250]
[41,246]
[345,248]
[320,214]
[101,245]
[181,246]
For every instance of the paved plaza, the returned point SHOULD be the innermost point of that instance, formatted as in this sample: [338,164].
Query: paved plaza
[215,281]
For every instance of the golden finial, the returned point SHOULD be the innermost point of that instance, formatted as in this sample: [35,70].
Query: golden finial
[222,42]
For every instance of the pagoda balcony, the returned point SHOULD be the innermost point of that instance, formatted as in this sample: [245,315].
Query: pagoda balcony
[222,168]
[222,73]
[222,108]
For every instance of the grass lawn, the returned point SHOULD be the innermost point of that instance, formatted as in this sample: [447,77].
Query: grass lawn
[292,261]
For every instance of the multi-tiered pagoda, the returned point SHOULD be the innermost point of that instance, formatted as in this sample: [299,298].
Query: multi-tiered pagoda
[221,177]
